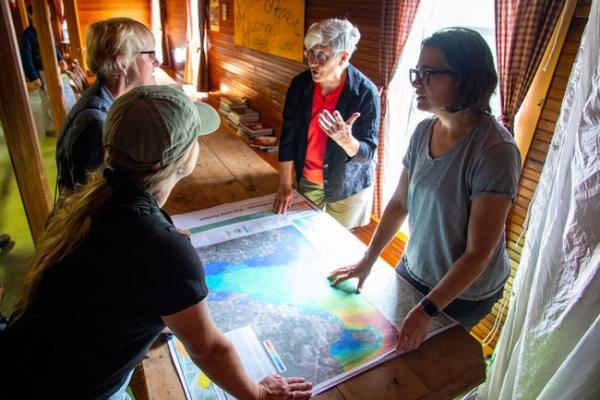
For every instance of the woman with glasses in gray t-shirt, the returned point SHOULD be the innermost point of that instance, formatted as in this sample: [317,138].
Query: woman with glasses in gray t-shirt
[459,180]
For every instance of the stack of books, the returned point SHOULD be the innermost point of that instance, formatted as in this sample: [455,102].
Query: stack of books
[266,143]
[251,130]
[246,115]
[259,135]
[229,104]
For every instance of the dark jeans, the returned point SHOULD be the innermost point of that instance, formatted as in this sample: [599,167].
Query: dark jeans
[468,313]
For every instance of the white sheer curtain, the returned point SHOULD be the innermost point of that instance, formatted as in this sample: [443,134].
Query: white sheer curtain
[550,345]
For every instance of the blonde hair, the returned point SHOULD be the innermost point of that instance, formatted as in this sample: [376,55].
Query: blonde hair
[71,222]
[339,34]
[107,39]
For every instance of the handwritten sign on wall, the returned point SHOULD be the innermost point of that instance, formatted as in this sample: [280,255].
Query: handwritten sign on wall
[271,26]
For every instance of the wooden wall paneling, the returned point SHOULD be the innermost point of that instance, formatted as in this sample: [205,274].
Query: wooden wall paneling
[23,17]
[534,160]
[19,130]
[76,42]
[175,22]
[264,78]
[91,11]
[41,18]
[55,22]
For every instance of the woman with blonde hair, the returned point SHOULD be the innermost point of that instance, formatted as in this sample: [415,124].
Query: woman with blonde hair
[120,53]
[111,271]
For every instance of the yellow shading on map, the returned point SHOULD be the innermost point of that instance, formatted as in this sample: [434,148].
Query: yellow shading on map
[203,381]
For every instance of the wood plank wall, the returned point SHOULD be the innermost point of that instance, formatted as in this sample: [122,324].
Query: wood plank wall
[174,25]
[534,161]
[93,10]
[263,78]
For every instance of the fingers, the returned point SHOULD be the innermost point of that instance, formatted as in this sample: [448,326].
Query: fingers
[300,395]
[361,281]
[340,275]
[401,341]
[297,380]
[282,203]
[299,389]
[328,118]
[328,123]
[184,232]
[336,272]
[352,118]
[408,341]
[276,387]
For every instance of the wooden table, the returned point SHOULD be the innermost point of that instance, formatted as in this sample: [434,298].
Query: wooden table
[228,170]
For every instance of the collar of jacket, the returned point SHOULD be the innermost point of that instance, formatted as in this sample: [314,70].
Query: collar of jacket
[102,91]
[351,87]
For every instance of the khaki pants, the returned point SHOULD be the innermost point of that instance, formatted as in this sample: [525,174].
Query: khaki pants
[350,212]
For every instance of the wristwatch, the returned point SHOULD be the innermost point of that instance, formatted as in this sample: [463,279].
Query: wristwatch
[430,308]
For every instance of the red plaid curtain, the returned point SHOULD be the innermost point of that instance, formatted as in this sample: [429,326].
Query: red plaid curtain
[397,20]
[523,30]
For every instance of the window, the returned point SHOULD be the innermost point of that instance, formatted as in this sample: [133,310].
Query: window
[403,116]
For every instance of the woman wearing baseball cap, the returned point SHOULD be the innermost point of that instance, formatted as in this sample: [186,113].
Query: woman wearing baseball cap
[111,271]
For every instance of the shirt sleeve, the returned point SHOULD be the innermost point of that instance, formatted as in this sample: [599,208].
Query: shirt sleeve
[366,127]
[175,278]
[88,150]
[286,141]
[27,57]
[497,172]
[413,146]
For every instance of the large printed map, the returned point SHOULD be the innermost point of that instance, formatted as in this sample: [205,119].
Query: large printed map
[267,277]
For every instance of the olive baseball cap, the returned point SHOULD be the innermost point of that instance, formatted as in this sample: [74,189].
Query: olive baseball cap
[152,126]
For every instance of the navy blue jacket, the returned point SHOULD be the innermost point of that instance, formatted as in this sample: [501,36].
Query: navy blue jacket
[30,54]
[79,148]
[342,176]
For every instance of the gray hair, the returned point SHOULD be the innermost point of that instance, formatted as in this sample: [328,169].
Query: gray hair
[339,34]
[113,37]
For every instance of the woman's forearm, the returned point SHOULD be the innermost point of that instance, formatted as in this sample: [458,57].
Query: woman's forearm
[224,367]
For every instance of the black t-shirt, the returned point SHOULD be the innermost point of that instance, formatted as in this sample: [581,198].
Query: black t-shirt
[98,310]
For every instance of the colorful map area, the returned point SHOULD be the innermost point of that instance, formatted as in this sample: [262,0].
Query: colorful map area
[275,281]
[270,295]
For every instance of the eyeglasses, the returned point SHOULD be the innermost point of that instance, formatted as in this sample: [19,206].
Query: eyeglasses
[151,54]
[320,56]
[421,77]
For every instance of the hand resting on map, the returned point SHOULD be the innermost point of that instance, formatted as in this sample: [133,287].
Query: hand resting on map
[276,387]
[360,270]
[415,325]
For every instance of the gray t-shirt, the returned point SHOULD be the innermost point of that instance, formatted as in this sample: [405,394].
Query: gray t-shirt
[485,163]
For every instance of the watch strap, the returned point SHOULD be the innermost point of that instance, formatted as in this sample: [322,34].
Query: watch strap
[430,308]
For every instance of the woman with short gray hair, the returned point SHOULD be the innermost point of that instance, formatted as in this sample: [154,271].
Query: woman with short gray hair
[339,34]
[330,128]
[120,53]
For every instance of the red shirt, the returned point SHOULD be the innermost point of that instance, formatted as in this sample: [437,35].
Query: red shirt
[317,138]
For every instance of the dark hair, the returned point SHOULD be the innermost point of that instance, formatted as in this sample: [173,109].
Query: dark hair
[469,55]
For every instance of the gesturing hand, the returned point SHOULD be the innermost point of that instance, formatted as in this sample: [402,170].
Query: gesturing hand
[336,128]
[276,387]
